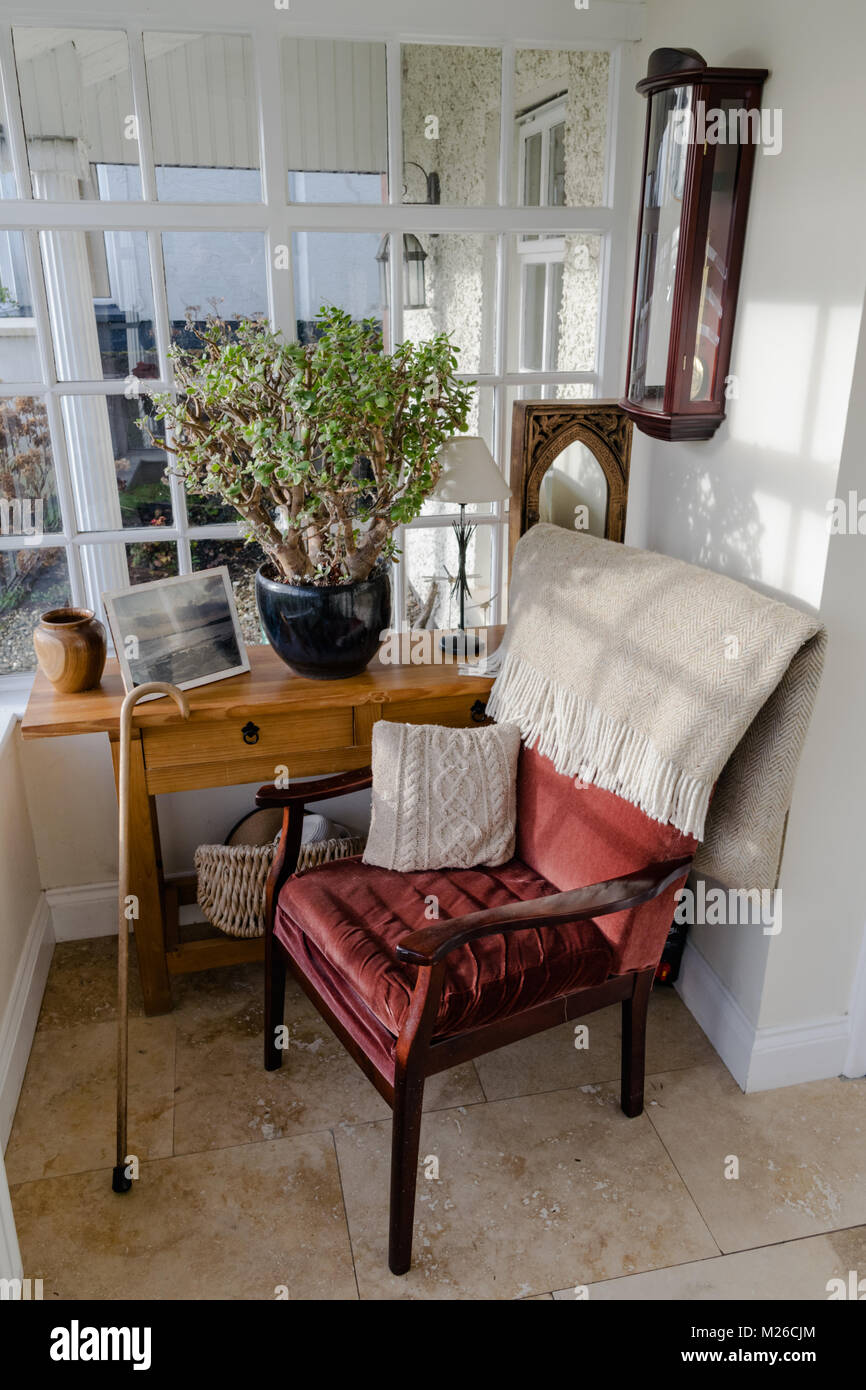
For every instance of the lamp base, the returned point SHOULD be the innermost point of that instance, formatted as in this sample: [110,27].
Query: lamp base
[460,643]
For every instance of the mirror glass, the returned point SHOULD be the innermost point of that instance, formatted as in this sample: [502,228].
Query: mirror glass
[574,491]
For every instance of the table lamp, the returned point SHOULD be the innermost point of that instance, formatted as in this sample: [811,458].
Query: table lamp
[469,474]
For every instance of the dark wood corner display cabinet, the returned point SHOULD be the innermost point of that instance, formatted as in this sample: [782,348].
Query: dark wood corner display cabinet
[564,454]
[702,130]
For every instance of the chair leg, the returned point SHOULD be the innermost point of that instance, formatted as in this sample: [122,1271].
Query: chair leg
[634,1012]
[275,1002]
[405,1138]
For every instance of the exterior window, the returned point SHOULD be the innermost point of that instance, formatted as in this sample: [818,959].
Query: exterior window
[221,182]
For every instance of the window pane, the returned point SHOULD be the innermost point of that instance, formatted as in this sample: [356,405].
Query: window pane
[242,560]
[118,474]
[574,391]
[204,116]
[26,469]
[556,167]
[556,283]
[482,423]
[213,272]
[208,511]
[8,187]
[574,176]
[100,301]
[451,118]
[532,171]
[460,283]
[76,98]
[19,350]
[31,582]
[430,567]
[335,116]
[146,562]
[338,268]
[532,347]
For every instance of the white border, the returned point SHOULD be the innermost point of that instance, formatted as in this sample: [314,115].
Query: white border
[115,622]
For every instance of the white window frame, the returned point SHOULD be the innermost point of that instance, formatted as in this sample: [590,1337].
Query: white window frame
[277,219]
[539,121]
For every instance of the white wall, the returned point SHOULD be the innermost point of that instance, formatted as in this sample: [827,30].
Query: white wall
[752,502]
[72,807]
[812,963]
[26,944]
[20,887]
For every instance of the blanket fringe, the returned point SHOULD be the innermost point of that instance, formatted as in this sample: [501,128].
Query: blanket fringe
[584,743]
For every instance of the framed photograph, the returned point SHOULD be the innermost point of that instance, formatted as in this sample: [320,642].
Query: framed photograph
[183,630]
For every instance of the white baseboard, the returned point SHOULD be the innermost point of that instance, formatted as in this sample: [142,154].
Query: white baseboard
[10,1253]
[22,1011]
[89,909]
[728,1028]
[807,1052]
[759,1059]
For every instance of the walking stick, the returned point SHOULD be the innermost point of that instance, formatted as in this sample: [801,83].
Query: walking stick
[119,1180]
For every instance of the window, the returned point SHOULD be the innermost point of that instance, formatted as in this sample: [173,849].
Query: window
[230,172]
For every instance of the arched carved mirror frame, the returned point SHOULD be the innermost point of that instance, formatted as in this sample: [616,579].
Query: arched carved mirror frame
[540,432]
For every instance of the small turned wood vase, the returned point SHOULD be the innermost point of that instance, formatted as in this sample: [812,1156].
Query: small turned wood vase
[70,648]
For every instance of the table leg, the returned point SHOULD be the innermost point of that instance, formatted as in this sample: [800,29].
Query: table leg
[145,880]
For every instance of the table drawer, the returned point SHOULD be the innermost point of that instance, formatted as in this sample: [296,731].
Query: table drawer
[454,711]
[247,734]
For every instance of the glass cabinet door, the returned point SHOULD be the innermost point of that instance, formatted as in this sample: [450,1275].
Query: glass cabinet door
[664,183]
[721,168]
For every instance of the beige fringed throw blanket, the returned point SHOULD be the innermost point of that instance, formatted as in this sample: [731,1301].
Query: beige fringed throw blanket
[656,679]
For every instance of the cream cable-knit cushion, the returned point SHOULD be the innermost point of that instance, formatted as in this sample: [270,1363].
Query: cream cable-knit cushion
[442,798]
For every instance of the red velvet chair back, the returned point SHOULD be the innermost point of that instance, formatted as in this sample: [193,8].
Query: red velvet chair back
[574,835]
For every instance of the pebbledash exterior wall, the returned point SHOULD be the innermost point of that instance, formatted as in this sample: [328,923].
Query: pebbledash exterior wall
[460,87]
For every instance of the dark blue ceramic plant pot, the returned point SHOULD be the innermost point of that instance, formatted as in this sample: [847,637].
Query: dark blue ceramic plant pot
[325,632]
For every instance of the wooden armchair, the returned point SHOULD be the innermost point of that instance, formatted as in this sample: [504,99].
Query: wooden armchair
[576,921]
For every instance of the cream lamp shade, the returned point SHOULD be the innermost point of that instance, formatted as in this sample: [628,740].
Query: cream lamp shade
[469,473]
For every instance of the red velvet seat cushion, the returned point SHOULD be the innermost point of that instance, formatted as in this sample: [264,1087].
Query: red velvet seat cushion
[354,914]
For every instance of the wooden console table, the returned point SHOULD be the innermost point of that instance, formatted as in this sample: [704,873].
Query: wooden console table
[240,730]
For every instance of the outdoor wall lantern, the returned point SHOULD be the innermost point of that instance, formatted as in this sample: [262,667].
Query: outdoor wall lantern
[414,256]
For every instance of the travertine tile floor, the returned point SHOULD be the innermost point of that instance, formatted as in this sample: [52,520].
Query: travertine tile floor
[257,1185]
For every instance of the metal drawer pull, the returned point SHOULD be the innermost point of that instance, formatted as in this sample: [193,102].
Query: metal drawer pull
[478,712]
[250,732]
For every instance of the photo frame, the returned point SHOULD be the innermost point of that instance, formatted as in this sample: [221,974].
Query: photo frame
[184,630]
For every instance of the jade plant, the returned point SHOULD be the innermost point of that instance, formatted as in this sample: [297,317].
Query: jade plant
[323,448]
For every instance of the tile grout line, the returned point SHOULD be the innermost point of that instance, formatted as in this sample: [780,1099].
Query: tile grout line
[710,1259]
[578,1085]
[345,1213]
[694,1200]
[478,1078]
[174,1090]
[354,1124]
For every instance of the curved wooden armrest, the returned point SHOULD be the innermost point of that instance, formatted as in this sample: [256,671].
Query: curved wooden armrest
[299,793]
[431,944]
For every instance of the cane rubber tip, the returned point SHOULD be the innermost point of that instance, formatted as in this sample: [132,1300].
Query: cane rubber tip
[119,1181]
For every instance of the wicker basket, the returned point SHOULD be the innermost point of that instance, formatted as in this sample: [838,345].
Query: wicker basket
[232,878]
